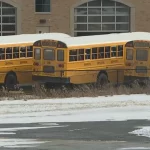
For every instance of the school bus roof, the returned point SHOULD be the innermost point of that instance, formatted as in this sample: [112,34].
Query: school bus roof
[30,38]
[108,38]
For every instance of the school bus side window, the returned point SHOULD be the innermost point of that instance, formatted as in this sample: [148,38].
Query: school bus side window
[73,55]
[29,51]
[120,50]
[88,54]
[2,53]
[9,53]
[113,51]
[80,54]
[22,51]
[94,53]
[15,52]
[129,54]
[101,52]
[107,52]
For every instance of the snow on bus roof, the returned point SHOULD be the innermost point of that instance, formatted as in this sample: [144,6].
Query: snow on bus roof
[107,38]
[30,38]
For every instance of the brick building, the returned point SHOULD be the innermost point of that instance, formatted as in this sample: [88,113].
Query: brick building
[74,17]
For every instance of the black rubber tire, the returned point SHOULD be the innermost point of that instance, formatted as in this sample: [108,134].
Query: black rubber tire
[10,82]
[102,80]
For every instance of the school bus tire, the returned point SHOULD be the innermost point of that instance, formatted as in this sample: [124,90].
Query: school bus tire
[102,80]
[10,81]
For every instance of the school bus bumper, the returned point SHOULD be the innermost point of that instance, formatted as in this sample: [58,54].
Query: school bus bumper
[47,79]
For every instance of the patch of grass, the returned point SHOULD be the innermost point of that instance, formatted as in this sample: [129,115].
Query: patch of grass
[40,92]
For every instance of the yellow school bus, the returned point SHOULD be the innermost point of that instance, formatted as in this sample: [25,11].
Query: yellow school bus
[137,60]
[16,57]
[78,60]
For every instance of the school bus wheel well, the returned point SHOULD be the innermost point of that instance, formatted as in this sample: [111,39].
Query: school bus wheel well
[10,72]
[102,71]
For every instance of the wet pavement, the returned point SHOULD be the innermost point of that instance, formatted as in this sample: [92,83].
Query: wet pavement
[105,135]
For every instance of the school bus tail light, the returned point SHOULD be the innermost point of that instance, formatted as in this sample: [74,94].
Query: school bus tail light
[36,64]
[128,64]
[61,65]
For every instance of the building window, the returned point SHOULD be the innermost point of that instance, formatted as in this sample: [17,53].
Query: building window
[100,17]
[42,5]
[7,19]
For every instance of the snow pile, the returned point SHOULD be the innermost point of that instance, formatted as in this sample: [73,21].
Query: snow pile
[145,131]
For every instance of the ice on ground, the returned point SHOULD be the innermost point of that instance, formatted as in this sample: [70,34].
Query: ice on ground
[144,131]
[20,143]
[135,148]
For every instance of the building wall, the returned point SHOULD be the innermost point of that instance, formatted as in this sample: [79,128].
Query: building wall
[60,18]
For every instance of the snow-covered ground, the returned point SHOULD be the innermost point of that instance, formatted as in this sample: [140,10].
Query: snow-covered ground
[52,111]
[112,108]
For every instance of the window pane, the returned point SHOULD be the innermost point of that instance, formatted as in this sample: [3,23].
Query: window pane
[47,2]
[108,27]
[120,50]
[45,8]
[38,2]
[5,5]
[94,27]
[37,53]
[95,11]
[88,54]
[38,8]
[108,19]
[113,51]
[106,11]
[122,18]
[80,11]
[94,18]
[122,11]
[8,19]
[107,52]
[49,54]
[42,6]
[101,52]
[60,55]
[5,34]
[81,27]
[2,53]
[122,27]
[94,3]
[8,27]
[73,55]
[83,5]
[108,3]
[129,54]
[8,11]
[141,55]
[80,19]
[120,4]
